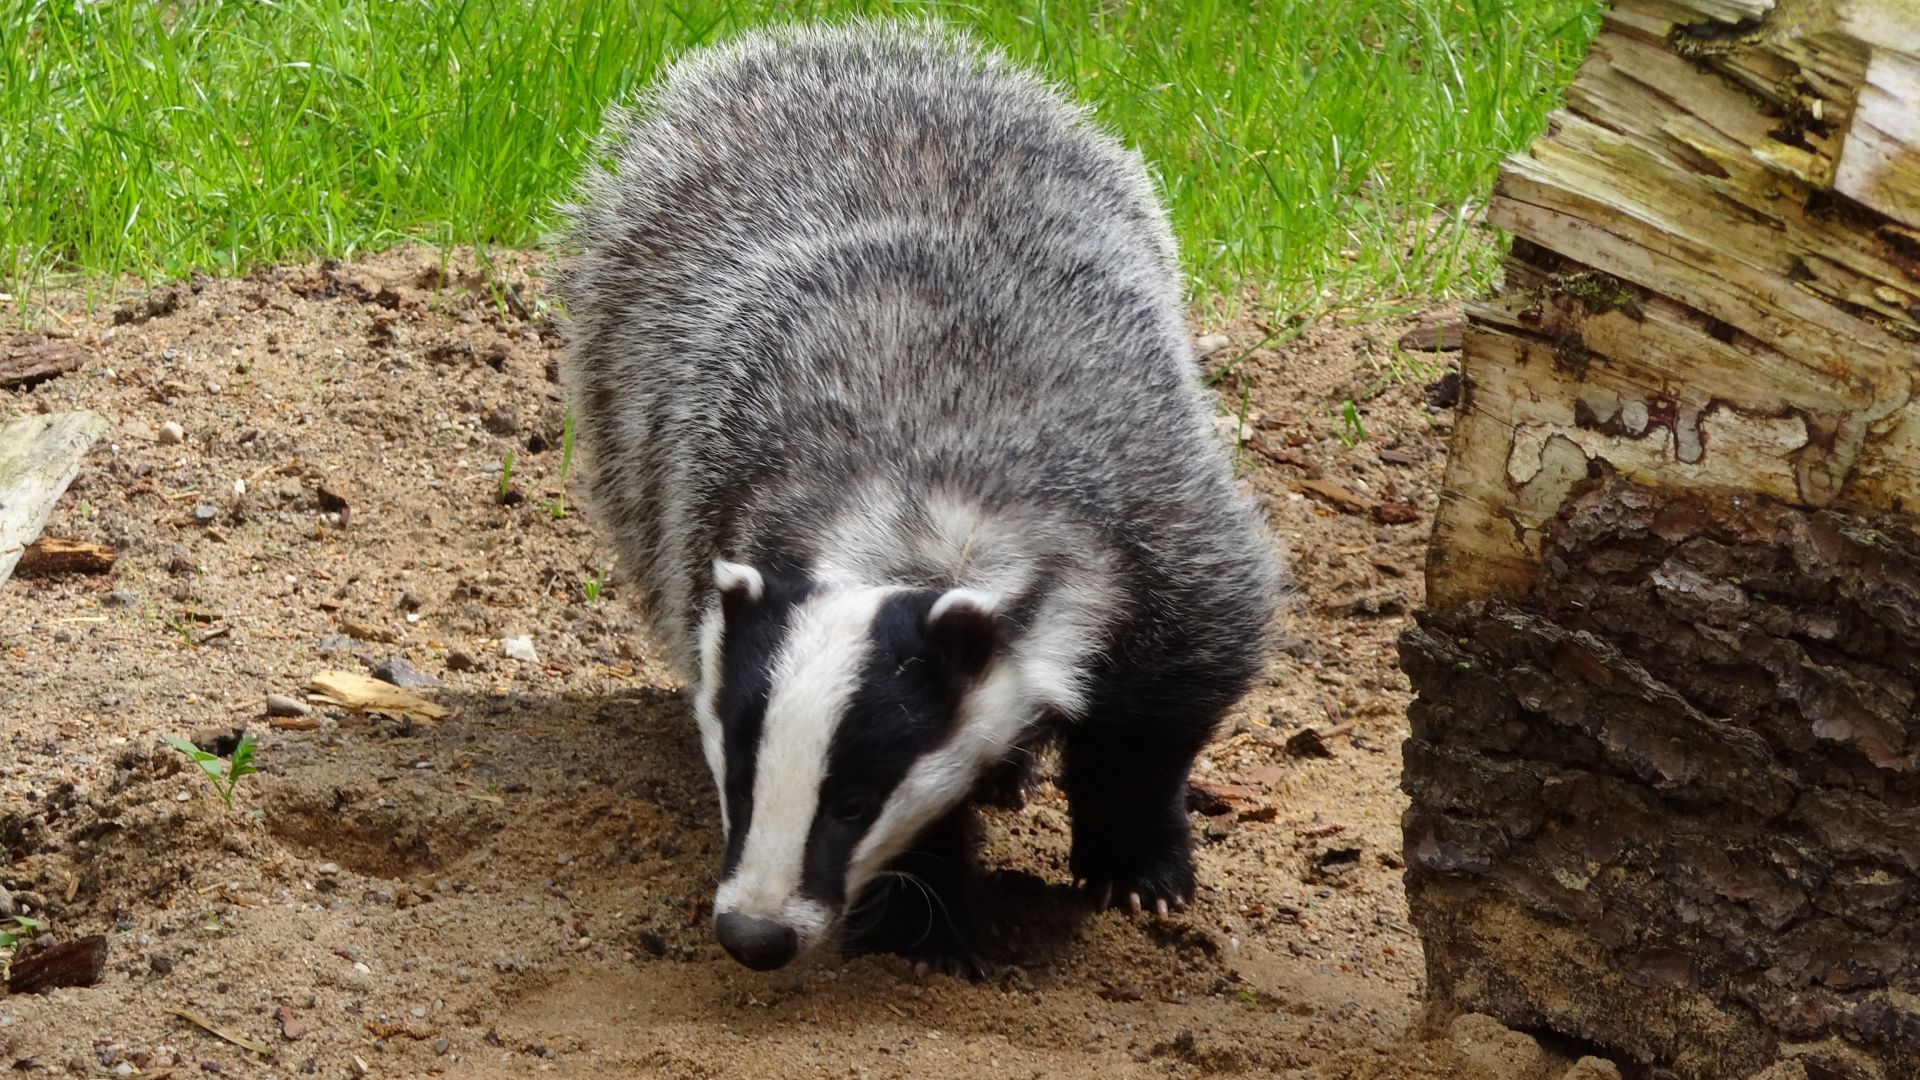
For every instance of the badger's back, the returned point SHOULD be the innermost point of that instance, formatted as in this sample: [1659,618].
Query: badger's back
[851,292]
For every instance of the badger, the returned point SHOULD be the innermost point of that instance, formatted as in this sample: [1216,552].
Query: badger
[879,362]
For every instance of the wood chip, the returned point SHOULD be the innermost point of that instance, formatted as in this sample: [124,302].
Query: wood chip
[211,1028]
[1393,456]
[72,963]
[1312,742]
[1214,799]
[49,556]
[1341,497]
[1447,337]
[292,1028]
[367,632]
[1396,512]
[362,693]
[30,362]
[1284,457]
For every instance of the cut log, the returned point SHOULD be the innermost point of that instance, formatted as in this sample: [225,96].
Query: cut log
[39,457]
[1665,759]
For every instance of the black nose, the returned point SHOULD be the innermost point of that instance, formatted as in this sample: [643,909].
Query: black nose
[760,944]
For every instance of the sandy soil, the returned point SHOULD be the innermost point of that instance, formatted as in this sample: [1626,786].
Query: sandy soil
[522,885]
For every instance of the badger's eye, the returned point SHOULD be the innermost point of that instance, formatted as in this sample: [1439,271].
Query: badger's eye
[850,807]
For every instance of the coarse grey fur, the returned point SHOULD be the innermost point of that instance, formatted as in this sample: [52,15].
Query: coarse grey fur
[868,304]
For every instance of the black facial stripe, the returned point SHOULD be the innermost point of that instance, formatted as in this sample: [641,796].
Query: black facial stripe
[903,708]
[747,648]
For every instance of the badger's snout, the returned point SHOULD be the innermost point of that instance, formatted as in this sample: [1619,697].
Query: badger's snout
[760,944]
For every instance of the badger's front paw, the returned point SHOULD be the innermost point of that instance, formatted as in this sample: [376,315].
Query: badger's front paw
[1158,879]
[964,966]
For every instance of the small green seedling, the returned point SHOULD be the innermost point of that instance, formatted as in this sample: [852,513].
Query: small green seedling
[1352,431]
[1240,431]
[506,476]
[558,507]
[592,586]
[224,773]
[18,932]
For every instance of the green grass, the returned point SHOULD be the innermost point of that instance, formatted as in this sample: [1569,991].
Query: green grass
[1303,145]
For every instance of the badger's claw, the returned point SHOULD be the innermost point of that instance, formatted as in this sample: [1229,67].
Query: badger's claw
[966,967]
[1138,899]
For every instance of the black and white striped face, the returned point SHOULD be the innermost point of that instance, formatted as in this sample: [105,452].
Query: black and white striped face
[839,722]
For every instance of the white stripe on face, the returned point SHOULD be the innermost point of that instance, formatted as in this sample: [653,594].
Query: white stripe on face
[706,708]
[814,679]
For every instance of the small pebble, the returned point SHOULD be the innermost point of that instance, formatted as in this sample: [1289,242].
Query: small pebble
[327,869]
[1208,344]
[461,660]
[409,601]
[397,671]
[282,705]
[171,433]
[519,648]
[120,598]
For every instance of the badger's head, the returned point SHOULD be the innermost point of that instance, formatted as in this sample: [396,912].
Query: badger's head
[839,722]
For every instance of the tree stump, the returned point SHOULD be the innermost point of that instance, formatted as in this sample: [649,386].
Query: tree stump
[1665,754]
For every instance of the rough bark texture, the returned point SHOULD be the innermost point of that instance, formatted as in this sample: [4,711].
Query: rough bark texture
[1671,803]
[1665,764]
[51,556]
[71,963]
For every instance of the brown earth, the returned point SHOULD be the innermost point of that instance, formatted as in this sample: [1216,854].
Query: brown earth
[522,885]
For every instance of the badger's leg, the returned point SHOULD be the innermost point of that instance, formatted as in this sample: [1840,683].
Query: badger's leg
[1127,794]
[918,907]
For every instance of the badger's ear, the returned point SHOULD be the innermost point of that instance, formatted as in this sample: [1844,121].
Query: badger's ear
[740,587]
[964,628]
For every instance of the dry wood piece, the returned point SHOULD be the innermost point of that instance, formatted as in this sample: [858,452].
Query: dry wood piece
[1666,744]
[1342,498]
[1284,457]
[70,963]
[50,556]
[39,457]
[1214,799]
[208,1026]
[1445,338]
[31,362]
[360,693]
[1396,512]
